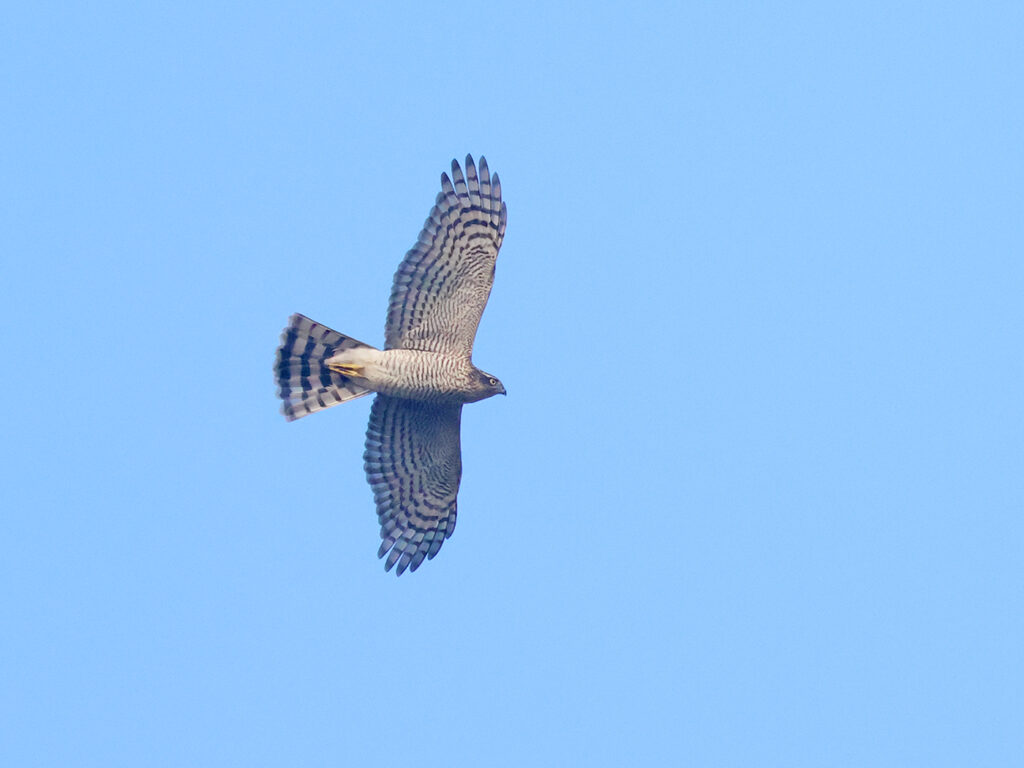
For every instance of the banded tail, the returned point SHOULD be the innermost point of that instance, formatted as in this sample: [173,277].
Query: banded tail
[304,382]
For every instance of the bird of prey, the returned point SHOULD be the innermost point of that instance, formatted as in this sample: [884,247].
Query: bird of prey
[425,372]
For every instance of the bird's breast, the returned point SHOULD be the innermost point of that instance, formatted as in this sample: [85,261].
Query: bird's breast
[419,375]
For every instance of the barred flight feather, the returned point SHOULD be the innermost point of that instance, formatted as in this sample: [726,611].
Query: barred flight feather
[443,283]
[304,382]
[414,465]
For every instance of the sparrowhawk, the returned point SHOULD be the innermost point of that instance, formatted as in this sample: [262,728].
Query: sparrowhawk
[424,374]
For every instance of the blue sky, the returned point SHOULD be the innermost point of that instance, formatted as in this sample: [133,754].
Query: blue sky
[755,497]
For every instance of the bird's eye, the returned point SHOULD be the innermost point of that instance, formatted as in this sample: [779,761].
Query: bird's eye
[493,381]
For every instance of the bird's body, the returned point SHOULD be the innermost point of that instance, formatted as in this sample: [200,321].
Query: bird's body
[413,374]
[425,372]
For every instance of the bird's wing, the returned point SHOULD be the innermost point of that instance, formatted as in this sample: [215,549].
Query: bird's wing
[441,287]
[413,463]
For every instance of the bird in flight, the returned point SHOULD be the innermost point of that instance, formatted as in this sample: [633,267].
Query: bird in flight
[423,375]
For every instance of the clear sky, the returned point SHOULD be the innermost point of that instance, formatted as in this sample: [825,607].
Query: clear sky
[755,497]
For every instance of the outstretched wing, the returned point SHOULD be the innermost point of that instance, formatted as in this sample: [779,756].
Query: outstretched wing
[442,284]
[413,463]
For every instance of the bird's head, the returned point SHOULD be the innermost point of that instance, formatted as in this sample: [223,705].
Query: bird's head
[486,385]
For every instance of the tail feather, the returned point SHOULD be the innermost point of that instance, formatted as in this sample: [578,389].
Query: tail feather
[304,382]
